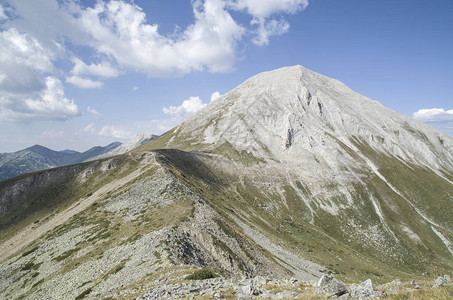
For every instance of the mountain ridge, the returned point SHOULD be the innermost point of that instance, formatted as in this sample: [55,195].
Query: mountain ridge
[289,166]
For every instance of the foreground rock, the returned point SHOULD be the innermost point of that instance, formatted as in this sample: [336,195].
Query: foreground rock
[440,281]
[364,290]
[330,286]
[217,288]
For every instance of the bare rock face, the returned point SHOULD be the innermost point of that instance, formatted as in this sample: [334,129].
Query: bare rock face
[358,170]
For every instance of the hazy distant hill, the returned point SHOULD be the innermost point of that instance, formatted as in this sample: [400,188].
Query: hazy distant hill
[37,158]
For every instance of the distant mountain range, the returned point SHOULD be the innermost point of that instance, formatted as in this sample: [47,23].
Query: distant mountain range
[38,157]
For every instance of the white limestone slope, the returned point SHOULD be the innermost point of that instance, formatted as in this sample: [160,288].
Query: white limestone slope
[300,117]
[344,155]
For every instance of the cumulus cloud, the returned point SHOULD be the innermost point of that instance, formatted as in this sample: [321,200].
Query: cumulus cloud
[2,14]
[115,131]
[215,95]
[124,40]
[433,115]
[46,134]
[25,94]
[120,39]
[84,83]
[262,10]
[89,128]
[102,69]
[48,104]
[268,28]
[22,61]
[94,112]
[118,29]
[266,8]
[187,107]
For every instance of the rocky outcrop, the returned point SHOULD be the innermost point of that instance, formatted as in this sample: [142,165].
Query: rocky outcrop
[440,281]
[330,286]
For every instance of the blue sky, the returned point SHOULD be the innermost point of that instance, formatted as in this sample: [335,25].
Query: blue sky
[75,74]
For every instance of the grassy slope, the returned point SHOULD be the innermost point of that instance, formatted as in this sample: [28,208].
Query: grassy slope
[329,240]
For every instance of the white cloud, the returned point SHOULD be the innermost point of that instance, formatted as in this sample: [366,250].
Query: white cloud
[2,14]
[187,107]
[25,93]
[266,8]
[119,30]
[94,112]
[46,134]
[48,104]
[433,115]
[123,40]
[89,128]
[116,33]
[261,10]
[126,131]
[22,61]
[116,132]
[84,83]
[53,102]
[103,69]
[267,29]
[215,95]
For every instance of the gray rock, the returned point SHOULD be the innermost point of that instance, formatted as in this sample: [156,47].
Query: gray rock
[331,286]
[247,290]
[287,294]
[293,280]
[439,282]
[392,290]
[363,290]
[414,285]
[447,279]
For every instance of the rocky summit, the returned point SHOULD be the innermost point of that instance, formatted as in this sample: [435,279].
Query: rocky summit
[287,178]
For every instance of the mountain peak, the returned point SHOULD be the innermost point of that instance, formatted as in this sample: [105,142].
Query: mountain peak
[291,174]
[295,113]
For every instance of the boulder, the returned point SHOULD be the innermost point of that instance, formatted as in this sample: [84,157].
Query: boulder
[363,290]
[250,290]
[331,286]
[441,281]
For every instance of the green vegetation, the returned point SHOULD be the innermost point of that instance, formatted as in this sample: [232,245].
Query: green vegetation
[30,251]
[323,237]
[244,157]
[28,266]
[83,294]
[66,254]
[440,293]
[115,269]
[201,275]
[38,283]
